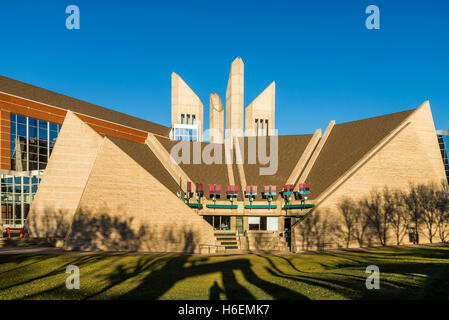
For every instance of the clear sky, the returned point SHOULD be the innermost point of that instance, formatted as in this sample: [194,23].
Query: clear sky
[326,64]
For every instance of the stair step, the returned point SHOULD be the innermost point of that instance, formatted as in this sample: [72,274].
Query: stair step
[226,238]
[229,242]
[225,234]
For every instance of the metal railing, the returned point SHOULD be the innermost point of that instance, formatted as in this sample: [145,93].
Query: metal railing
[209,246]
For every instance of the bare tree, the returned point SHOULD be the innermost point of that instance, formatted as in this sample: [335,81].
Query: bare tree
[413,205]
[398,218]
[377,215]
[348,209]
[362,223]
[306,231]
[442,207]
[320,228]
[428,201]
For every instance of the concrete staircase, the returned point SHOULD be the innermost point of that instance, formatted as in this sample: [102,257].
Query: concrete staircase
[229,239]
[267,241]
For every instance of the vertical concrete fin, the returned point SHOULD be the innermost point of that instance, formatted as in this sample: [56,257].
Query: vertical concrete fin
[261,108]
[316,152]
[64,179]
[300,165]
[185,102]
[164,157]
[216,119]
[234,100]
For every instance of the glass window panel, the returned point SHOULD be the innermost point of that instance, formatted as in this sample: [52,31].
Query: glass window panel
[13,127]
[21,119]
[33,165]
[43,150]
[13,117]
[32,122]
[26,210]
[272,223]
[43,134]
[263,223]
[53,127]
[216,223]
[225,223]
[53,136]
[32,131]
[209,219]
[43,124]
[22,130]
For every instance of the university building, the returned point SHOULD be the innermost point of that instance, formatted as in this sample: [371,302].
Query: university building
[96,179]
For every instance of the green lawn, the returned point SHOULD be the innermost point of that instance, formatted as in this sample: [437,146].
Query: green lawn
[406,273]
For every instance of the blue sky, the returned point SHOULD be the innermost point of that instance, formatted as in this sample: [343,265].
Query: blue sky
[326,64]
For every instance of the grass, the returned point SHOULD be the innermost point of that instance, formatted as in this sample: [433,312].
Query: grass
[405,273]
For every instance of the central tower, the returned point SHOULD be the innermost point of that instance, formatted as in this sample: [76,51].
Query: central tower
[234,100]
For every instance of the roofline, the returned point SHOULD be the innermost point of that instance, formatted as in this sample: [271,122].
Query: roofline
[377,147]
[83,114]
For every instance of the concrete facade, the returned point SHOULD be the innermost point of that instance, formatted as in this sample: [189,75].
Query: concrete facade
[235,100]
[110,186]
[259,114]
[216,119]
[186,107]
[130,214]
[408,155]
[65,177]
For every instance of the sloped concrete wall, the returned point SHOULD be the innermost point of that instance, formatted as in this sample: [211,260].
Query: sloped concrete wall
[64,179]
[410,156]
[124,207]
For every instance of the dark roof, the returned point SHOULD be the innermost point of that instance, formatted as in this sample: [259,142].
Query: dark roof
[290,149]
[37,94]
[203,173]
[346,145]
[143,155]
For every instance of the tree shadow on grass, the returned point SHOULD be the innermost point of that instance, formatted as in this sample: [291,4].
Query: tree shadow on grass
[57,268]
[435,285]
[162,280]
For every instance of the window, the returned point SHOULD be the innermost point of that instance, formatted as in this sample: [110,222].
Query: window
[32,142]
[17,194]
[263,223]
[185,132]
[253,223]
[219,222]
[443,141]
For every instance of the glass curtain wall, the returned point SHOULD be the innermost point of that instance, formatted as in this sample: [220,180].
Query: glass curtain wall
[17,194]
[443,140]
[32,142]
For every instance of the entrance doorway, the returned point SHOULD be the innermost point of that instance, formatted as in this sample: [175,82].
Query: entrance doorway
[239,224]
[287,231]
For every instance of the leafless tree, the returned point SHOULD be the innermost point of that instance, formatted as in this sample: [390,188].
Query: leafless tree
[377,215]
[442,207]
[320,229]
[428,195]
[348,209]
[413,205]
[398,218]
[362,222]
